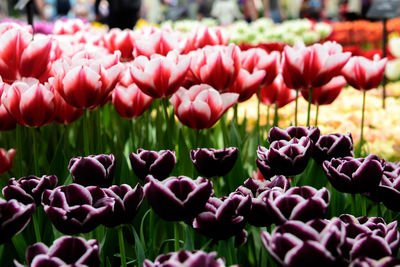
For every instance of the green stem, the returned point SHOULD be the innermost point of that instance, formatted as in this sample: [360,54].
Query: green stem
[121,246]
[309,105]
[296,107]
[235,114]
[35,153]
[258,118]
[268,115]
[176,236]
[86,133]
[362,121]
[316,116]
[36,227]
[19,150]
[354,207]
[276,117]
[363,206]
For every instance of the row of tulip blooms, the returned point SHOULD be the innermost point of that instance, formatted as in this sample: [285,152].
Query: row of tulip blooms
[302,236]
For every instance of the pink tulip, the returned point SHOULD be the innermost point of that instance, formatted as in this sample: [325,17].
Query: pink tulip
[313,66]
[277,92]
[31,103]
[122,41]
[204,36]
[6,160]
[201,106]
[7,122]
[364,74]
[130,102]
[246,84]
[70,26]
[65,113]
[327,93]
[159,76]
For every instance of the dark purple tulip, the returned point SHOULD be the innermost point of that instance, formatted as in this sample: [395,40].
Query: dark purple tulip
[388,191]
[95,170]
[14,216]
[212,162]
[283,157]
[276,134]
[392,169]
[158,164]
[333,146]
[298,244]
[177,198]
[259,213]
[298,203]
[223,217]
[368,262]
[75,209]
[186,258]
[351,175]
[66,250]
[127,203]
[29,189]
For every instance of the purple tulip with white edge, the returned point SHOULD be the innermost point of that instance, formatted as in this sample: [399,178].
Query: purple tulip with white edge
[212,162]
[276,134]
[333,146]
[187,258]
[387,261]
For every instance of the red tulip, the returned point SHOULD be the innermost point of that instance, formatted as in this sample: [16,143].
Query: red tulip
[122,41]
[6,160]
[313,66]
[277,92]
[160,76]
[201,106]
[7,122]
[130,102]
[246,84]
[364,74]
[327,93]
[64,113]
[204,36]
[258,59]
[31,103]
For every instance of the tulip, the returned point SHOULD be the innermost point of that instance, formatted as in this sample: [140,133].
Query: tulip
[7,122]
[327,93]
[204,36]
[30,102]
[387,261]
[316,243]
[223,217]
[127,203]
[6,159]
[122,41]
[74,209]
[276,134]
[159,164]
[283,157]
[277,92]
[388,191]
[70,26]
[258,59]
[64,112]
[333,146]
[187,258]
[177,198]
[351,175]
[130,102]
[65,251]
[14,217]
[93,170]
[247,84]
[29,189]
[159,76]
[201,106]
[212,162]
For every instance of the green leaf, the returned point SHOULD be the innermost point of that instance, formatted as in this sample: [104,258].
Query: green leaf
[138,247]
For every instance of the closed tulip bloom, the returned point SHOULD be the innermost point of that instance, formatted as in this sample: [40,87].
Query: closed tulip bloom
[247,84]
[387,261]
[130,102]
[258,59]
[7,122]
[30,102]
[201,106]
[159,164]
[276,134]
[69,27]
[351,175]
[64,112]
[65,251]
[284,157]
[93,170]
[187,258]
[364,74]
[212,162]
[327,93]
[14,217]
[223,217]
[177,198]
[75,209]
[277,92]
[121,40]
[204,36]
[315,243]
[29,189]
[333,146]
[313,66]
[159,76]
[6,159]
[388,191]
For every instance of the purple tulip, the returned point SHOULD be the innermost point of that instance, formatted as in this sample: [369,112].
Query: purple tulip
[14,217]
[29,189]
[351,175]
[368,262]
[127,203]
[277,134]
[388,191]
[95,170]
[158,164]
[259,213]
[283,157]
[298,203]
[177,198]
[75,209]
[186,258]
[224,217]
[66,250]
[212,162]
[316,243]
[333,146]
